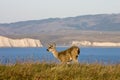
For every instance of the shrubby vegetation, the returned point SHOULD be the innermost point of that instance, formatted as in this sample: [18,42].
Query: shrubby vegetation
[53,71]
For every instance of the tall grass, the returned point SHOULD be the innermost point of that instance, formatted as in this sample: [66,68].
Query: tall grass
[53,71]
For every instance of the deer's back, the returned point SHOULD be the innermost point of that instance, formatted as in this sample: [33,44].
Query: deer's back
[69,53]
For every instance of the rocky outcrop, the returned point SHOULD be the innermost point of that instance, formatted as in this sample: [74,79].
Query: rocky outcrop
[26,42]
[99,44]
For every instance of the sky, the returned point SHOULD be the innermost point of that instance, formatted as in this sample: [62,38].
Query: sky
[22,10]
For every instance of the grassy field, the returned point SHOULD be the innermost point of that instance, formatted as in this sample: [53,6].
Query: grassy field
[53,71]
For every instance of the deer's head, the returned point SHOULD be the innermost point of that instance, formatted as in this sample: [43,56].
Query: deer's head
[51,47]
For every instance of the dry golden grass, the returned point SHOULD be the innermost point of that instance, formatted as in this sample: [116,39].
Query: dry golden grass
[53,71]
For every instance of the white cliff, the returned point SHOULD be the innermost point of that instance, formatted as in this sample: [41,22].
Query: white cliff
[106,44]
[98,44]
[82,43]
[26,42]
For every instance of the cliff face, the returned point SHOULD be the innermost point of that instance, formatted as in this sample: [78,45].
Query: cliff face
[26,42]
[98,44]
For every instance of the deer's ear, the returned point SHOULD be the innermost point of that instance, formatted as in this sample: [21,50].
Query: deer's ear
[54,44]
[49,45]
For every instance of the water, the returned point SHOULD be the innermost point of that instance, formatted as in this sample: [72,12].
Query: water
[87,55]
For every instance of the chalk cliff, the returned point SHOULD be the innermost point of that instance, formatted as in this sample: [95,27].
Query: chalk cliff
[26,42]
[98,44]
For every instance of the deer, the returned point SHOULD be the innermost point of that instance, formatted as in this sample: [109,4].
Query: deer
[65,56]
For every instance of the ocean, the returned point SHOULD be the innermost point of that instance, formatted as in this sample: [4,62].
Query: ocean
[87,55]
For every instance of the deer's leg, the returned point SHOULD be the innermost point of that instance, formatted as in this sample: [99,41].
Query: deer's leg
[70,57]
[75,59]
[68,62]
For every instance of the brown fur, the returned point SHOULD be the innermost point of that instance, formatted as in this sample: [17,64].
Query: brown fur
[68,55]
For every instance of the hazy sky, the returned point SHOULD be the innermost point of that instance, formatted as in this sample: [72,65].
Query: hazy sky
[21,10]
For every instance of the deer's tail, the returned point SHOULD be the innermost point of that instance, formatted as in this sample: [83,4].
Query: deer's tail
[78,51]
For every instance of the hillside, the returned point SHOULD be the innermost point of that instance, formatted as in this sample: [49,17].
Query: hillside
[100,22]
[100,27]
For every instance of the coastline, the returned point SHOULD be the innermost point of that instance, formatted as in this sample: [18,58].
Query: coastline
[96,44]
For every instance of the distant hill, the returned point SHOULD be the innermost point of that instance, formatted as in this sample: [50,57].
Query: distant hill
[99,22]
[100,27]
